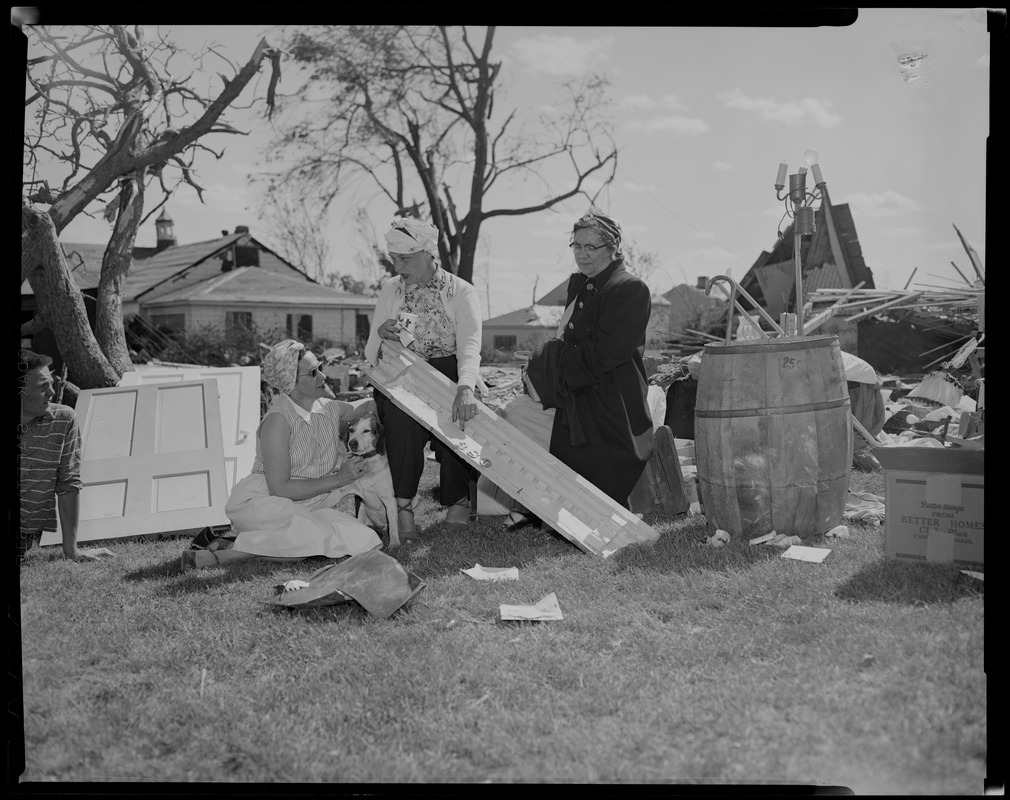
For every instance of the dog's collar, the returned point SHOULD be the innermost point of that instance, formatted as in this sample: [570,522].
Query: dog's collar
[369,454]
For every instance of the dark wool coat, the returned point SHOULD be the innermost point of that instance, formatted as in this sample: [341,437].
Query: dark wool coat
[599,377]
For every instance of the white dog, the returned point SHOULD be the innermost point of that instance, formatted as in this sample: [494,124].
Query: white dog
[366,439]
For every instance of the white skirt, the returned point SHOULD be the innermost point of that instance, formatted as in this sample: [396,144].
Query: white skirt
[273,526]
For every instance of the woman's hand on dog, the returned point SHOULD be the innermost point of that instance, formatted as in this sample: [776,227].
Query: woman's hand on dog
[349,471]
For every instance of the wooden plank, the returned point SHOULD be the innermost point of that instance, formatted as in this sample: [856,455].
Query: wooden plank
[836,248]
[893,303]
[813,324]
[239,401]
[152,460]
[566,501]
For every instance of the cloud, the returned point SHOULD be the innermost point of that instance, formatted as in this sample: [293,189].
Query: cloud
[708,254]
[678,124]
[672,101]
[789,112]
[722,166]
[638,188]
[640,101]
[562,56]
[883,204]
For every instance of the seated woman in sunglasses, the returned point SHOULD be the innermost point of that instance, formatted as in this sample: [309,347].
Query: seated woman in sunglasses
[445,311]
[283,510]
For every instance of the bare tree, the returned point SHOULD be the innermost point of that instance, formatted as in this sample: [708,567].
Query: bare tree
[409,109]
[639,262]
[298,228]
[106,113]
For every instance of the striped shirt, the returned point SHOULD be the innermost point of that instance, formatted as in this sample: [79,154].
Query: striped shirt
[49,464]
[315,446]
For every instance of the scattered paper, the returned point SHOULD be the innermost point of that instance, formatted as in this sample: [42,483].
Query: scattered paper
[781,540]
[801,553]
[546,609]
[477,572]
[840,531]
[979,575]
[762,539]
[718,539]
[291,586]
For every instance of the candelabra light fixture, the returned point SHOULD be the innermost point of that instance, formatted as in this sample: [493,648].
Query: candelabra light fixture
[800,207]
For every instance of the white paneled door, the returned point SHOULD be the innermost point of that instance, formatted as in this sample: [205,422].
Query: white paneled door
[239,392]
[152,460]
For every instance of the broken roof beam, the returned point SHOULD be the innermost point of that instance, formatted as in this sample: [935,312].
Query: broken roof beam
[892,304]
[814,323]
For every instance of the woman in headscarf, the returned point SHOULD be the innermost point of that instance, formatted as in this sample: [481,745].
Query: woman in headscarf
[446,334]
[284,508]
[593,374]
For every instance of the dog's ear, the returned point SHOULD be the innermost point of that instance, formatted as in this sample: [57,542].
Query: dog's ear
[345,432]
[380,437]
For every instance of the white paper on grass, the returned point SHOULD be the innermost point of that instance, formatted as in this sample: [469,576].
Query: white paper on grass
[477,572]
[801,553]
[546,609]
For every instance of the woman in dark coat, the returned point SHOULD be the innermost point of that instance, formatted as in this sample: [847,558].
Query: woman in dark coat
[593,374]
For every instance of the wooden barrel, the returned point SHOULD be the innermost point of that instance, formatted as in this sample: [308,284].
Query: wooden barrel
[773,440]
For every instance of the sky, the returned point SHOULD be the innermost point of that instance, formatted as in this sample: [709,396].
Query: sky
[896,107]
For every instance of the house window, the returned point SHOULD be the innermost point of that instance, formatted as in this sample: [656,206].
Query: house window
[362,327]
[300,327]
[238,320]
[173,322]
[507,343]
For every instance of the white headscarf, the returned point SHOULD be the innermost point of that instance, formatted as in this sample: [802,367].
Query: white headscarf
[408,235]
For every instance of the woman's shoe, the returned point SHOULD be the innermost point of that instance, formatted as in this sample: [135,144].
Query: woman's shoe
[405,521]
[458,516]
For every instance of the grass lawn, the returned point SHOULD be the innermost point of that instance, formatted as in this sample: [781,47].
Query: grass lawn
[674,662]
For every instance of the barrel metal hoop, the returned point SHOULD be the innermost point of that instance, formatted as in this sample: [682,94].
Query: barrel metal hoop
[772,412]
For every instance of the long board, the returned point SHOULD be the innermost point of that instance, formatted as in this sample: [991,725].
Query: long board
[563,499]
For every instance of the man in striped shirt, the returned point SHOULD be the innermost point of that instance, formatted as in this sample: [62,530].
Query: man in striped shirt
[50,461]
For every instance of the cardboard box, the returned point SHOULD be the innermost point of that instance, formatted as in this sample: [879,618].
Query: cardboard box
[934,507]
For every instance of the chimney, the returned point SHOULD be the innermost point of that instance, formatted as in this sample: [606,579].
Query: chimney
[241,229]
[702,282]
[224,233]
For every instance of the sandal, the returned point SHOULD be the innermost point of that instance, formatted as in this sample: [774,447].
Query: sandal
[405,521]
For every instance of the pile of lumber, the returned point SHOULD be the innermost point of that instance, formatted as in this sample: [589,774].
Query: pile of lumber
[955,306]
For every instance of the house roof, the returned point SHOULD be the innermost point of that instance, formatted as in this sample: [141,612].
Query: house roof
[818,253]
[538,316]
[85,262]
[150,272]
[254,285]
[543,316]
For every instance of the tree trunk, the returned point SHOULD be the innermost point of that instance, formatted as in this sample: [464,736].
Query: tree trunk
[468,251]
[115,265]
[60,302]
